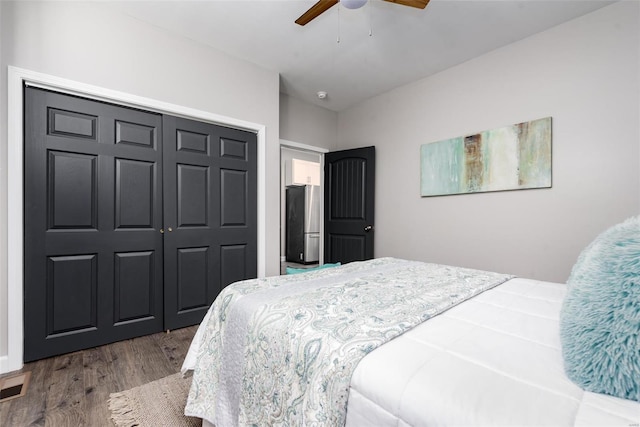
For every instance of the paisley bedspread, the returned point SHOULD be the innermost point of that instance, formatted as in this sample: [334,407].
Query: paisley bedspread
[281,350]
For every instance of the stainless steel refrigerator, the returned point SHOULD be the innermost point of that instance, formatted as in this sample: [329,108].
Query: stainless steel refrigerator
[303,223]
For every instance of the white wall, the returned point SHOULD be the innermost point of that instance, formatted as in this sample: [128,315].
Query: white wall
[3,195]
[585,74]
[307,123]
[88,43]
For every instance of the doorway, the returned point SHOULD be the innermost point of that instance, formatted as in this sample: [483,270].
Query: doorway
[293,154]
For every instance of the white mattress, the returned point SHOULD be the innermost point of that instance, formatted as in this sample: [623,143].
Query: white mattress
[493,360]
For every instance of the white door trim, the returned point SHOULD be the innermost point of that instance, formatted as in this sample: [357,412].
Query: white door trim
[301,146]
[17,77]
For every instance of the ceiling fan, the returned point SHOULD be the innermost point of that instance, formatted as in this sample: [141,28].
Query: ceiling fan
[323,5]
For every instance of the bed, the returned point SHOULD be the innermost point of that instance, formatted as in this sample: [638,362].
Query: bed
[390,342]
[492,360]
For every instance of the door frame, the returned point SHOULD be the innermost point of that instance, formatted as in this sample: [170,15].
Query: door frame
[17,77]
[321,152]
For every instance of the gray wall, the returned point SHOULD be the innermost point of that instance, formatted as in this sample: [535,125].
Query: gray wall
[585,74]
[307,123]
[86,42]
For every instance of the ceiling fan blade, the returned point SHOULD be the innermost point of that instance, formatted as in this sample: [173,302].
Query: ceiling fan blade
[315,11]
[420,4]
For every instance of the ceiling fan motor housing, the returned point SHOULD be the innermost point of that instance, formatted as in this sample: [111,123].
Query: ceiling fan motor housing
[353,4]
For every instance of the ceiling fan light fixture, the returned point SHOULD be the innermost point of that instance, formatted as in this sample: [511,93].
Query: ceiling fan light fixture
[353,4]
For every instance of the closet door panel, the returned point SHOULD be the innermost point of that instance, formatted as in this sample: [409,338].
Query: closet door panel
[208,179]
[72,191]
[93,211]
[233,262]
[192,198]
[71,292]
[135,275]
[233,198]
[193,276]
[134,194]
[236,217]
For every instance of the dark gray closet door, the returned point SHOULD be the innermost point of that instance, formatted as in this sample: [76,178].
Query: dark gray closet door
[210,215]
[93,211]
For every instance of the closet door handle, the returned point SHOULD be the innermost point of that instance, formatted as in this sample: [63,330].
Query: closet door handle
[170,229]
[162,231]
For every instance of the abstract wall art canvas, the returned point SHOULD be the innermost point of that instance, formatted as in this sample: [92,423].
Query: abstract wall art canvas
[510,158]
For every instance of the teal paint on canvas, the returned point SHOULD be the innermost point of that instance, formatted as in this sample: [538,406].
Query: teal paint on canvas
[441,163]
[509,158]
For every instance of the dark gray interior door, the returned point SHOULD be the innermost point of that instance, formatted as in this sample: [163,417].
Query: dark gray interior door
[93,211]
[210,215]
[349,205]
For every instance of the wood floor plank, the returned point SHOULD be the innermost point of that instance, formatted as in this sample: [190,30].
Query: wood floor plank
[100,380]
[65,403]
[72,389]
[124,363]
[152,364]
[175,344]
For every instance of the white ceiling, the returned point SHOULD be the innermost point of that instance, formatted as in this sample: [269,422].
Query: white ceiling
[406,43]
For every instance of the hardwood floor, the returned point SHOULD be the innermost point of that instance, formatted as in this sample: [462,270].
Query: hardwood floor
[72,389]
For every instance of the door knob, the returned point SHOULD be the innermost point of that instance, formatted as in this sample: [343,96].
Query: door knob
[368,228]
[170,229]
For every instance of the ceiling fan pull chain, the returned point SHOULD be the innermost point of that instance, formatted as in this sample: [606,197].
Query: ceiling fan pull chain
[370,25]
[338,39]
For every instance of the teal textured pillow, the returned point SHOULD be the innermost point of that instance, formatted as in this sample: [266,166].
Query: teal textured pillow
[600,316]
[291,270]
